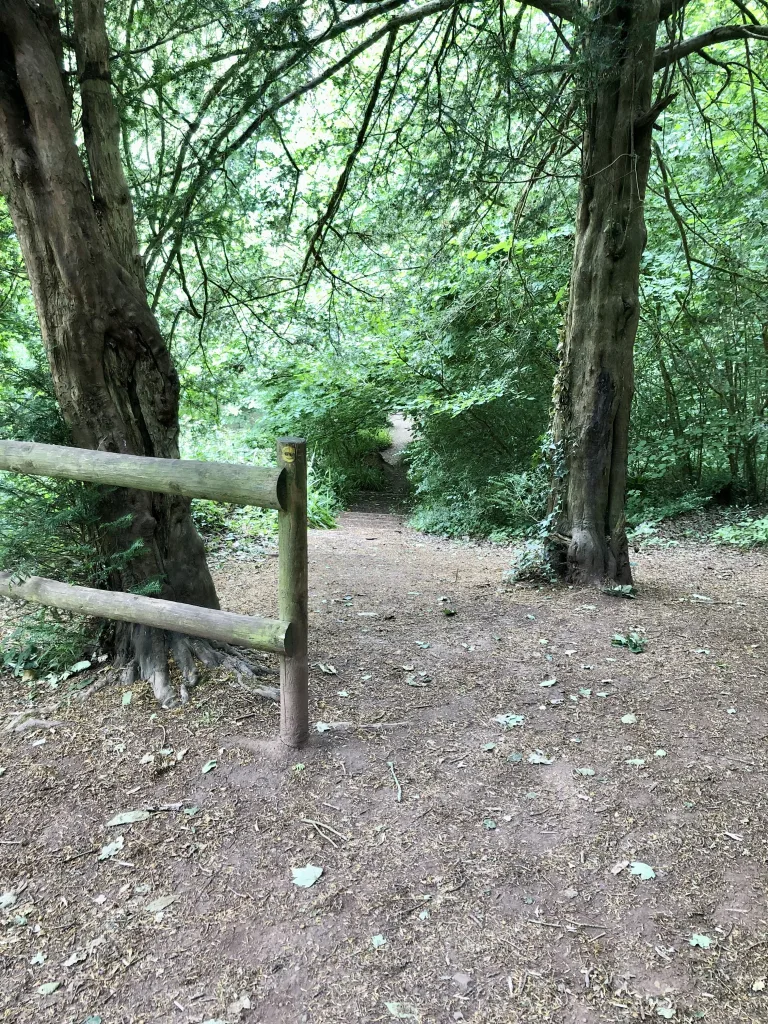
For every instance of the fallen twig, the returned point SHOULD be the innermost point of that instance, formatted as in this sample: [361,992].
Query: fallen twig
[77,856]
[399,796]
[330,828]
[585,924]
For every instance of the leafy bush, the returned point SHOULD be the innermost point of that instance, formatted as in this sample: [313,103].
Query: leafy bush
[47,527]
[506,506]
[248,522]
[643,508]
[338,404]
[746,534]
[45,640]
[532,563]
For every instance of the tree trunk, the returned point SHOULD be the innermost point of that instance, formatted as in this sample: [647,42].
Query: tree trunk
[113,374]
[676,423]
[594,385]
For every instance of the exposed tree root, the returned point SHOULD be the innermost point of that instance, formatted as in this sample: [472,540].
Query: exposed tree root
[146,653]
[23,721]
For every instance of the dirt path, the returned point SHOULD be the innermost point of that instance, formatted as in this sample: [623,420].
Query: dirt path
[465,877]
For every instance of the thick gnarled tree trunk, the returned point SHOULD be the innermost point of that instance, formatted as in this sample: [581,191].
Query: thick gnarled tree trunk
[113,374]
[594,385]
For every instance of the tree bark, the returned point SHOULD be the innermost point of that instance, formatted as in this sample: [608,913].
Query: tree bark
[676,423]
[594,385]
[114,378]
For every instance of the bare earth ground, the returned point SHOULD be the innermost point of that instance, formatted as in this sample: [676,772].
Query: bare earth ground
[494,883]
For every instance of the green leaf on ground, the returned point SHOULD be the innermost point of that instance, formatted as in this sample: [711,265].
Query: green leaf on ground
[548,682]
[659,753]
[111,848]
[160,904]
[643,871]
[515,758]
[634,642]
[127,697]
[38,959]
[629,720]
[539,757]
[413,680]
[585,771]
[128,818]
[621,590]
[667,1012]
[488,747]
[704,941]
[377,941]
[306,876]
[403,1011]
[489,823]
[509,721]
[48,988]
[75,958]
[209,766]
[638,762]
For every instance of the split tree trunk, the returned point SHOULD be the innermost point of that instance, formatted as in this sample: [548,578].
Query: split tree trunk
[114,378]
[594,386]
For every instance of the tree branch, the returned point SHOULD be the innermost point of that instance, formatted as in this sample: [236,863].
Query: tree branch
[555,8]
[325,221]
[667,55]
[101,132]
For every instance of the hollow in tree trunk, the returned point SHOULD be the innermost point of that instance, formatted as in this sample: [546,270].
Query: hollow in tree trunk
[594,385]
[113,375]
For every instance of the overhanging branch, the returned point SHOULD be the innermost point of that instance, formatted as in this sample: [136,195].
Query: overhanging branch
[667,55]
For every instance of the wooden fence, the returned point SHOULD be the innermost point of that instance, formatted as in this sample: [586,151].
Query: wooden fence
[283,488]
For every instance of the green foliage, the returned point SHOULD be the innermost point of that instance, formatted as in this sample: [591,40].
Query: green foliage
[338,405]
[532,563]
[44,640]
[653,508]
[745,534]
[249,444]
[473,366]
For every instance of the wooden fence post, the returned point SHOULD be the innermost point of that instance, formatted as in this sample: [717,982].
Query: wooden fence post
[293,593]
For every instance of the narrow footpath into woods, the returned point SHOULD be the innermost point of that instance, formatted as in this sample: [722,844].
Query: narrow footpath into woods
[523,822]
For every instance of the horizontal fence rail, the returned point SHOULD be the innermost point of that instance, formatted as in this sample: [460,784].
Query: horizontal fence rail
[225,627]
[283,488]
[218,481]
